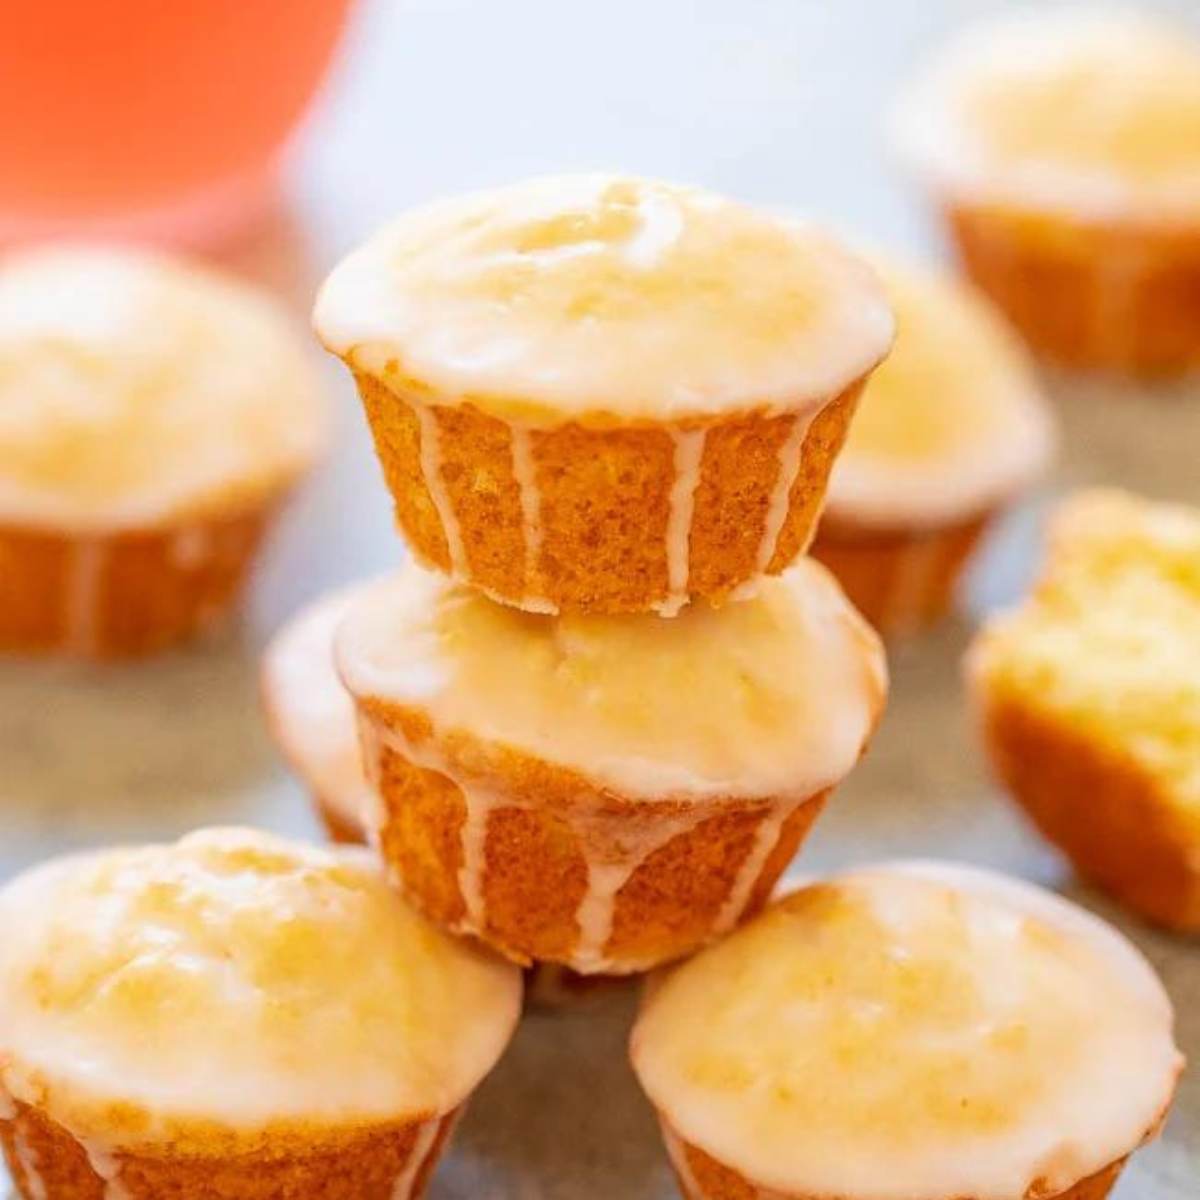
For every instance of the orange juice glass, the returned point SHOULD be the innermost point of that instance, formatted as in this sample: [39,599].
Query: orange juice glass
[154,118]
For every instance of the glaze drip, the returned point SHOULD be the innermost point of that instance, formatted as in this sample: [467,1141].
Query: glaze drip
[431,469]
[688,457]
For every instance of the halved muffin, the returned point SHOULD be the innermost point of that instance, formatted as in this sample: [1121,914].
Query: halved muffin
[909,1031]
[603,792]
[234,1016]
[950,429]
[602,394]
[1063,148]
[153,416]
[311,715]
[1089,698]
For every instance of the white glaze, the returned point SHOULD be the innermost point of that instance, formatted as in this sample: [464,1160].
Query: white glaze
[28,1162]
[189,547]
[1010,1040]
[610,868]
[208,977]
[766,838]
[136,388]
[105,1163]
[525,473]
[790,453]
[431,470]
[688,457]
[472,874]
[683,1169]
[590,296]
[1133,56]
[310,713]
[630,700]
[85,573]
[422,1148]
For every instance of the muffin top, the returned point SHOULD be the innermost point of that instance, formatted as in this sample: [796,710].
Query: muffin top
[239,980]
[310,712]
[1094,112]
[606,298]
[912,1030]
[773,695]
[952,422]
[135,388]
[1109,640]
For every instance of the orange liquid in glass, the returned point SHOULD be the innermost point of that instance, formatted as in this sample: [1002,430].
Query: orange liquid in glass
[167,114]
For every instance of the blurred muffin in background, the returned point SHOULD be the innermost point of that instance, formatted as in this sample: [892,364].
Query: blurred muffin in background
[153,417]
[601,394]
[950,428]
[1089,697]
[311,715]
[913,1030]
[1064,151]
[238,1017]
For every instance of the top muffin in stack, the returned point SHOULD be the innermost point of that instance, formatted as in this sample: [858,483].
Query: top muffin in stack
[597,400]
[605,395]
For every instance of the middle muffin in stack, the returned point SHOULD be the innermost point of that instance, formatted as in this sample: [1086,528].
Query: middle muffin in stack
[607,409]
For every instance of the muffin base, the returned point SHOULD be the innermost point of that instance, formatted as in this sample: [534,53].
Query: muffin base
[603,519]
[123,594]
[702,1177]
[1110,818]
[542,863]
[1112,297]
[389,1162]
[901,580]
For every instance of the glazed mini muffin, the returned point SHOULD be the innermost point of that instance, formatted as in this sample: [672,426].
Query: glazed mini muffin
[235,1016]
[1089,699]
[591,393]
[603,792]
[311,716]
[909,1031]
[1064,151]
[949,429]
[154,416]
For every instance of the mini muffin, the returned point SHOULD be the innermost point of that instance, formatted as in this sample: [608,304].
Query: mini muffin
[950,428]
[234,1016]
[1089,699]
[909,1031]
[1064,151]
[600,394]
[153,416]
[603,792]
[311,716]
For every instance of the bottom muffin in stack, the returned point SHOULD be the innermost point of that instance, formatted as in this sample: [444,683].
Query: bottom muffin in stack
[603,792]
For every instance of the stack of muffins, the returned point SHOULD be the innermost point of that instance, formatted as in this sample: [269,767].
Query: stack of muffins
[598,716]
[601,715]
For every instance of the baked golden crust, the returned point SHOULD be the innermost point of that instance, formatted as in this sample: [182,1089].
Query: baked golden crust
[1124,298]
[702,1177]
[1112,819]
[601,500]
[125,593]
[901,580]
[383,1162]
[547,829]
[338,826]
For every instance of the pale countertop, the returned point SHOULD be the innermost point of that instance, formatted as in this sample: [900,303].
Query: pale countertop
[774,100]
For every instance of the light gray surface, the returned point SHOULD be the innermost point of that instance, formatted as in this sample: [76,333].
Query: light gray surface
[776,100]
